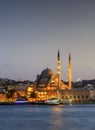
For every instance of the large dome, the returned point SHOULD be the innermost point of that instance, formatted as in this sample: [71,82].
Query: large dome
[47,71]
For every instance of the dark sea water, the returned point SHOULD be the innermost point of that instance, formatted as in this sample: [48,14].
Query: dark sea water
[41,117]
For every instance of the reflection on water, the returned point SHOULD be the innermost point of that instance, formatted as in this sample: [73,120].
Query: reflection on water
[29,117]
[56,120]
[57,109]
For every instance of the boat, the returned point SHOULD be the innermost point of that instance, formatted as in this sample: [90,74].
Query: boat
[52,101]
[21,101]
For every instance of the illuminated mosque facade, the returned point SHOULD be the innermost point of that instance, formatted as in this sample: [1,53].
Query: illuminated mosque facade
[48,85]
[50,81]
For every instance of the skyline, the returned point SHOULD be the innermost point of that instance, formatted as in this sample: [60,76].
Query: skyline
[31,32]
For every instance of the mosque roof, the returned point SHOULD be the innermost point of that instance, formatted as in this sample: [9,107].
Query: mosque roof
[47,71]
[45,76]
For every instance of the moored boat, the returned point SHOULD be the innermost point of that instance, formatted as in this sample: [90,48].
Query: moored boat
[21,101]
[52,101]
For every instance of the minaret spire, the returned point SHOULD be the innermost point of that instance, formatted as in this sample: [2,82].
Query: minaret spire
[58,57]
[58,67]
[70,73]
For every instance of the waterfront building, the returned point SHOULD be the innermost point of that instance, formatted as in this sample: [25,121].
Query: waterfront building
[20,89]
[77,95]
[48,85]
[2,95]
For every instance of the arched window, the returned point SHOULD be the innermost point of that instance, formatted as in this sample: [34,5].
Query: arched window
[87,96]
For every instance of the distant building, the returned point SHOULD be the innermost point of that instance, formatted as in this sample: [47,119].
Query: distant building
[20,89]
[2,94]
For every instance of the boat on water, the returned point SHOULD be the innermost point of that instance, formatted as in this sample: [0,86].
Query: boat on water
[21,101]
[52,101]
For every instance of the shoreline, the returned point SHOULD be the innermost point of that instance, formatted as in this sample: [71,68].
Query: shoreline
[42,103]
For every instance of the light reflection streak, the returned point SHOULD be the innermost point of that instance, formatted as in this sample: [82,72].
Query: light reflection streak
[56,119]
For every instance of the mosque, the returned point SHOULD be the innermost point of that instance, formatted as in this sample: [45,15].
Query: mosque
[48,85]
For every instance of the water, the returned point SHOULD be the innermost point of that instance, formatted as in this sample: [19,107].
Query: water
[35,117]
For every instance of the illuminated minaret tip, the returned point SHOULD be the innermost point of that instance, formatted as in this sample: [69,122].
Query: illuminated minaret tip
[58,68]
[70,73]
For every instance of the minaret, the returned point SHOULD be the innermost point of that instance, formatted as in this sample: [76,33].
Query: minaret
[70,73]
[58,68]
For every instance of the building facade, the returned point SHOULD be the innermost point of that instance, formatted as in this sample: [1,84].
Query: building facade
[48,85]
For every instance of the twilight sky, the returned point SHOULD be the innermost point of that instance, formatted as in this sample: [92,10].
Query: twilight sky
[32,31]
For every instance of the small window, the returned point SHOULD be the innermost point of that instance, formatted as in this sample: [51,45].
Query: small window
[82,97]
[86,96]
[78,97]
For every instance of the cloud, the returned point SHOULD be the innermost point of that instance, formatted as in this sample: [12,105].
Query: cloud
[5,65]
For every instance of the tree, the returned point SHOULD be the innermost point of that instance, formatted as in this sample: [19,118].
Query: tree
[33,95]
[11,93]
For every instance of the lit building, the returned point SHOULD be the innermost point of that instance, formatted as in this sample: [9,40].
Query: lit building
[48,85]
